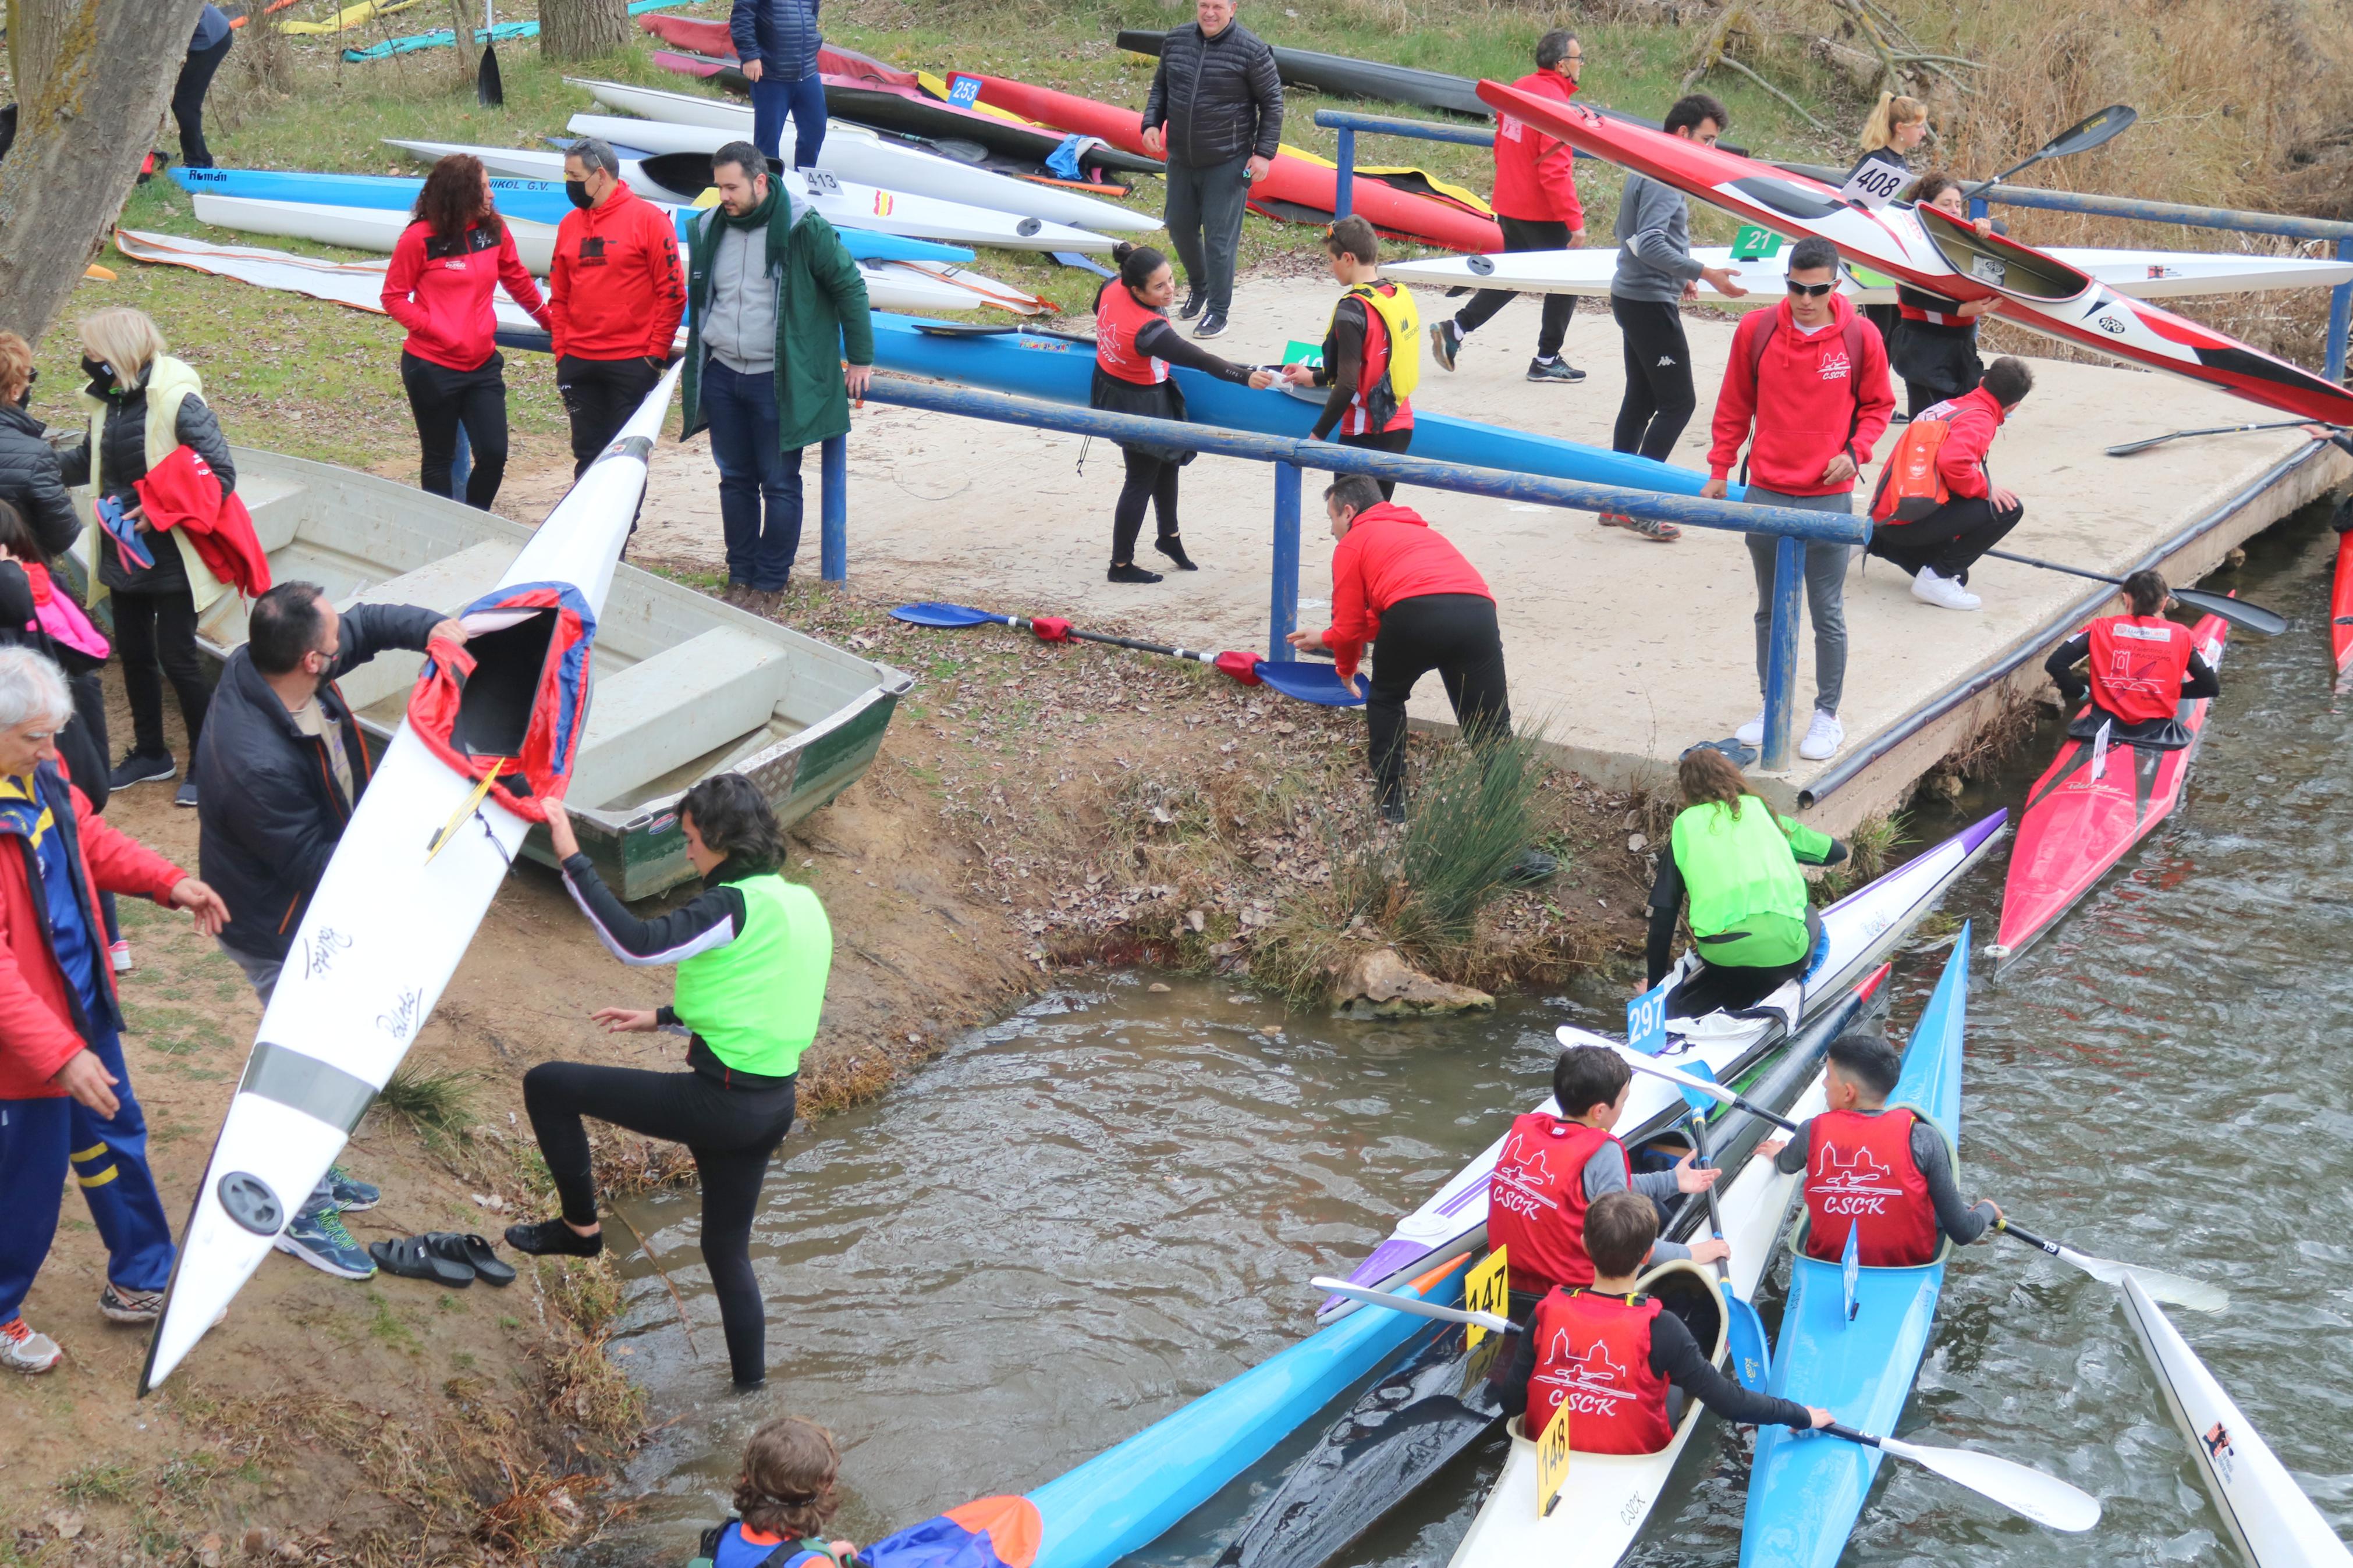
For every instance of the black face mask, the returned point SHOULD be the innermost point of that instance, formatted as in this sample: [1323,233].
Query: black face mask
[97,370]
[578,191]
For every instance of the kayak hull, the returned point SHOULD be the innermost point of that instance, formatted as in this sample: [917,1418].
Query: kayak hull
[2340,608]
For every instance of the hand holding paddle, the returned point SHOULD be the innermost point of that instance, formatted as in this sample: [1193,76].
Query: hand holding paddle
[2079,137]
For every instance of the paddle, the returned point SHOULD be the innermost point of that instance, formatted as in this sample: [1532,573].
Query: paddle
[488,90]
[2079,137]
[2045,1500]
[1414,1306]
[1744,1330]
[2238,612]
[1316,683]
[2129,447]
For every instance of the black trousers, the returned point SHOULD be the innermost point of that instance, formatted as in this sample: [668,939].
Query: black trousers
[1382,441]
[155,635]
[1455,635]
[1659,399]
[1948,539]
[730,1133]
[1524,234]
[188,101]
[599,396]
[1151,482]
[440,400]
[1727,987]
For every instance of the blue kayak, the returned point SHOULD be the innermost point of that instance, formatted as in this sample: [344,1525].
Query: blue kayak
[535,201]
[1806,1491]
[1059,369]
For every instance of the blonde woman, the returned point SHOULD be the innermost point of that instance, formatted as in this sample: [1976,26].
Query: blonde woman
[144,405]
[1896,128]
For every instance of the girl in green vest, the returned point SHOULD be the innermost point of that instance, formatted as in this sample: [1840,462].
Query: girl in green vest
[1752,927]
[753,952]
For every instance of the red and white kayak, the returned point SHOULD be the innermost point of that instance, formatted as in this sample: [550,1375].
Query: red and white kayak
[1931,249]
[2090,805]
[2340,609]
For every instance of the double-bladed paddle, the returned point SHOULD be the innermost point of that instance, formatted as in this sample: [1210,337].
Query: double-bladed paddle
[2238,612]
[2129,447]
[2081,137]
[1752,1352]
[1296,678]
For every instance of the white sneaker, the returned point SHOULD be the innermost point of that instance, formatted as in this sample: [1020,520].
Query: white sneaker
[1824,736]
[22,1350]
[1753,732]
[1942,592]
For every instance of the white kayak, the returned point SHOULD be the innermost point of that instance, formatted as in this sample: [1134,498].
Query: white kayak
[2143,274]
[682,122]
[845,204]
[2268,1515]
[386,930]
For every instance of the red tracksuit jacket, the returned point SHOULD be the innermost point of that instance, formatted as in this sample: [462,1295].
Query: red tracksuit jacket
[1814,403]
[1971,420]
[1389,554]
[441,293]
[616,290]
[1535,181]
[183,492]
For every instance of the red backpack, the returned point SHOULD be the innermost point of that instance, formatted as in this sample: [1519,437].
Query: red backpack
[1912,486]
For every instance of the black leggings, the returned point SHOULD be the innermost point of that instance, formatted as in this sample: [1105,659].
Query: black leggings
[155,635]
[1658,398]
[1455,635]
[188,101]
[1382,441]
[1728,988]
[730,1133]
[1948,539]
[441,399]
[1149,479]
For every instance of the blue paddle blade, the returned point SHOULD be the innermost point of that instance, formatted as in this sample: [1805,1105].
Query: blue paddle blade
[1851,1270]
[1752,1352]
[1310,681]
[931,614]
[1699,1101]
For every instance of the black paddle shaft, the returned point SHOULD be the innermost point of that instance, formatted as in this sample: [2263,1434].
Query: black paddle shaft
[2238,612]
[2010,1228]
[2081,137]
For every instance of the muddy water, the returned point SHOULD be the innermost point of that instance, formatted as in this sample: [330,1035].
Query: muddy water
[1082,1218]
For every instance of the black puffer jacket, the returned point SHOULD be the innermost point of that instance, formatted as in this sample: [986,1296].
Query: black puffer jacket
[32,482]
[123,463]
[1220,98]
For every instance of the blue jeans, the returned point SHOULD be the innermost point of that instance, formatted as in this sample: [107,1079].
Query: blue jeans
[803,102]
[759,486]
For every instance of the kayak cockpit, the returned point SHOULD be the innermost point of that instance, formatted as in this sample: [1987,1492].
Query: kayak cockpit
[2002,265]
[1788,199]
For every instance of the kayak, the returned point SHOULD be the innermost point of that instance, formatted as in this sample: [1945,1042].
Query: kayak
[851,153]
[2269,1517]
[1805,1491]
[1929,248]
[2090,805]
[392,916]
[1059,368]
[2340,608]
[1858,932]
[1299,187]
[445,37]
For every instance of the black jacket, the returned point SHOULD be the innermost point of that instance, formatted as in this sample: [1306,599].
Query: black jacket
[32,482]
[270,813]
[124,463]
[1220,98]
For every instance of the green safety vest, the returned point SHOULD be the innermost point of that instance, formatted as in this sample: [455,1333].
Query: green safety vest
[1736,868]
[756,1000]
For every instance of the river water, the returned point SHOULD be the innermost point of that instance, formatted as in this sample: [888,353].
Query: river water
[1081,1219]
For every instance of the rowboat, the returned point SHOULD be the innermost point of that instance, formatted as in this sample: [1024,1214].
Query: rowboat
[2272,1521]
[399,902]
[2090,805]
[1858,932]
[2340,609]
[1929,248]
[1805,1493]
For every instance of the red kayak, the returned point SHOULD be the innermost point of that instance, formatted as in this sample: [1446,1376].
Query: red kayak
[2340,608]
[2078,821]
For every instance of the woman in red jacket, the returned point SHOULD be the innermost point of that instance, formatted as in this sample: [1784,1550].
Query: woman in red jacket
[444,270]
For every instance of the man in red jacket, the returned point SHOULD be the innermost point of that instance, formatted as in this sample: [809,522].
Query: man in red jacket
[1939,549]
[66,1104]
[1535,203]
[614,294]
[1807,389]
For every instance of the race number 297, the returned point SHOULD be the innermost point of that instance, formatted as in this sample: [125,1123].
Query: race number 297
[1646,1020]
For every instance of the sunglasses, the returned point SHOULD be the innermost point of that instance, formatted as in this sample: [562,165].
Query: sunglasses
[1811,291]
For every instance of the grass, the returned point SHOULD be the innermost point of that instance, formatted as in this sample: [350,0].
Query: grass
[439,1104]
[100,1481]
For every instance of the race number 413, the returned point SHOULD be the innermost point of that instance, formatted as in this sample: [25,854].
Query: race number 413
[1646,1020]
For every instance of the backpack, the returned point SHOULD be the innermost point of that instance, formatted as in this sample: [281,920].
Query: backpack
[1912,486]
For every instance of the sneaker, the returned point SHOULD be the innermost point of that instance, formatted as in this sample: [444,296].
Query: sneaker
[1444,338]
[1393,812]
[1191,307]
[1824,736]
[1753,732]
[317,1236]
[119,955]
[22,1350]
[1942,592]
[1174,548]
[348,1193]
[1131,574]
[552,1237]
[143,767]
[186,795]
[1210,326]
[1556,370]
[137,1307]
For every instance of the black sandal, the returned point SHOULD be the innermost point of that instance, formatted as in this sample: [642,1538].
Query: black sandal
[411,1258]
[473,1252]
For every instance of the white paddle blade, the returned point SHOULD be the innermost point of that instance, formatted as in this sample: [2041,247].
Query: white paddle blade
[1414,1306]
[1641,1063]
[2172,1289]
[2045,1500]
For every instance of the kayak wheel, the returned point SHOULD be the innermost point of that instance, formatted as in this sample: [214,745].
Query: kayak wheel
[247,1200]
[1483,265]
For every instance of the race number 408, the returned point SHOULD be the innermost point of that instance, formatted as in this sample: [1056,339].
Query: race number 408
[1875,184]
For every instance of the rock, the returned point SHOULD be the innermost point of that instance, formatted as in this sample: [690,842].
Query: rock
[1194,920]
[1157,988]
[1635,845]
[1380,984]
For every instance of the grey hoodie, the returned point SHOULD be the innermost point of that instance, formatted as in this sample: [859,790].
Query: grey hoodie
[1654,260]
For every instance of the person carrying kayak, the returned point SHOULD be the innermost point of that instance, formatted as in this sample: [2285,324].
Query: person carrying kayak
[1616,1352]
[1936,510]
[2142,669]
[1886,1176]
[1555,1168]
[786,1493]
[1898,125]
[1751,924]
[1134,346]
[1372,351]
[1934,346]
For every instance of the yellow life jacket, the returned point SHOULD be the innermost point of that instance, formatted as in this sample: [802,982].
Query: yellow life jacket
[1404,324]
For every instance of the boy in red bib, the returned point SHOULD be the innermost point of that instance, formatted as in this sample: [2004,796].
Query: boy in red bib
[1612,1354]
[2142,667]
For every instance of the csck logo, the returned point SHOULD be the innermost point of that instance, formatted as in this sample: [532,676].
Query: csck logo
[1835,366]
[1523,1180]
[1591,1383]
[1858,1184]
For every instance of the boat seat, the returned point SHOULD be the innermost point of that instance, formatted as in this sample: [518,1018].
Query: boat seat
[277,504]
[449,586]
[680,704]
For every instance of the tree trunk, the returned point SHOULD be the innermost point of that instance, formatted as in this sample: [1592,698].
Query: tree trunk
[87,113]
[583,29]
[465,17]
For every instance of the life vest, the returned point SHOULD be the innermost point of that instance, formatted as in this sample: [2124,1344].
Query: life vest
[736,1544]
[1391,368]
[1118,318]
[2138,666]
[1593,1353]
[1861,1176]
[1736,867]
[1912,485]
[756,1000]
[1536,1202]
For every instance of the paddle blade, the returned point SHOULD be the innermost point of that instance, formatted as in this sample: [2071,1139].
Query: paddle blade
[1851,1271]
[2092,131]
[1752,1352]
[1313,682]
[2238,612]
[932,614]
[2045,1500]
[1699,1097]
[2172,1289]
[488,90]
[1413,1306]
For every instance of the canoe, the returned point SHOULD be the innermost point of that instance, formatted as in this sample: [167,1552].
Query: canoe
[1859,931]
[1931,249]
[1805,1493]
[851,153]
[2079,820]
[2271,1520]
[391,919]
[2340,608]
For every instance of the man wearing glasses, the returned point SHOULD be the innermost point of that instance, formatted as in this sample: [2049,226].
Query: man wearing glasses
[1807,390]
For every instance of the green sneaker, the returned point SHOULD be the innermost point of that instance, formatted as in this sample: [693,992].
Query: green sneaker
[317,1236]
[348,1193]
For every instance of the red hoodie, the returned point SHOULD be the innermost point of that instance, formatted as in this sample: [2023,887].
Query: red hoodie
[1971,420]
[1533,178]
[1817,405]
[1389,554]
[615,290]
[441,293]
